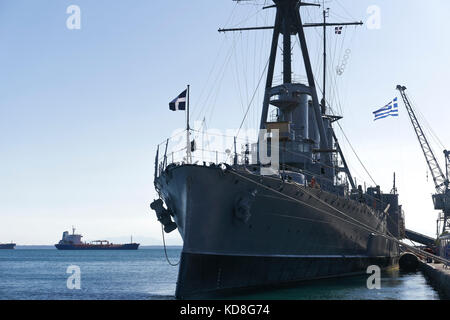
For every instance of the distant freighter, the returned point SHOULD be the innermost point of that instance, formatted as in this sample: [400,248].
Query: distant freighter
[6,246]
[73,242]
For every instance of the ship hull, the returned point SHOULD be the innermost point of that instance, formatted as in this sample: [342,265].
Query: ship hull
[205,275]
[7,246]
[95,247]
[241,230]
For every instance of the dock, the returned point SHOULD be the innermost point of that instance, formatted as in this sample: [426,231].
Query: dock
[439,276]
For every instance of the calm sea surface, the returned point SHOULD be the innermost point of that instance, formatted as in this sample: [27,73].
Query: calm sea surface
[145,274]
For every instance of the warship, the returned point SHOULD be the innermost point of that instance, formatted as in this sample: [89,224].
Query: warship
[73,242]
[245,226]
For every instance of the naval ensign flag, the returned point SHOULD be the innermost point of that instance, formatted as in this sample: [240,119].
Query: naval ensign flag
[179,103]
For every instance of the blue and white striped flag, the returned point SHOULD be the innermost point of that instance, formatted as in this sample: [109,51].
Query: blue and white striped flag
[179,103]
[390,110]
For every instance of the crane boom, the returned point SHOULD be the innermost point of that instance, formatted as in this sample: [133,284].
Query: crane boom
[440,180]
[447,162]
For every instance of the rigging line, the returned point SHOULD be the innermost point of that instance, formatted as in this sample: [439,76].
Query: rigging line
[345,10]
[338,16]
[219,83]
[425,121]
[205,128]
[340,100]
[330,74]
[216,60]
[336,94]
[214,65]
[317,40]
[254,53]
[354,151]
[232,13]
[251,101]
[170,138]
[302,171]
[430,130]
[297,218]
[357,156]
[319,63]
[246,19]
[218,53]
[355,172]
[220,73]
[256,66]
[253,97]
[334,86]
[358,224]
[335,75]
[238,80]
[244,59]
[217,91]
[320,177]
[306,157]
[262,58]
[202,132]
[342,45]
[317,82]
[222,135]
[341,57]
[219,152]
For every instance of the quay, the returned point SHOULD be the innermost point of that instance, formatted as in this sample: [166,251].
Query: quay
[439,276]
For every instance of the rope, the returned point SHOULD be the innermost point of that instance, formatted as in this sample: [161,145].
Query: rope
[251,101]
[253,97]
[165,250]
[356,154]
[357,224]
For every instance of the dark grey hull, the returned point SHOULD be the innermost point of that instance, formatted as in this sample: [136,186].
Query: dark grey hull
[280,241]
[7,246]
[203,276]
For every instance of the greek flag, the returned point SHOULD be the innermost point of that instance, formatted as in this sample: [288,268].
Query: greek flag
[179,103]
[390,110]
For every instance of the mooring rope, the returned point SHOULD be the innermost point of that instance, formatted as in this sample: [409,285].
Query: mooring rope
[165,250]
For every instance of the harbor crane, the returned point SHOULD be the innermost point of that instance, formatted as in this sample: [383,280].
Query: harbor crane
[441,198]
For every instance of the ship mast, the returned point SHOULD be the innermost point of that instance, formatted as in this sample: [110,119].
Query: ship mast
[288,23]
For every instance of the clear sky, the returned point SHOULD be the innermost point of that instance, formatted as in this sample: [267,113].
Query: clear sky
[81,111]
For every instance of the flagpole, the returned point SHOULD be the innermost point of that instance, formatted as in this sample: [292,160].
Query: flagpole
[188,144]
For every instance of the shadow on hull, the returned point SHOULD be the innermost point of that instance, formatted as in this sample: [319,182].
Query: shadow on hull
[220,276]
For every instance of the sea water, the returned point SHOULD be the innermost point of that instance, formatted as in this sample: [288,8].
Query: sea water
[144,274]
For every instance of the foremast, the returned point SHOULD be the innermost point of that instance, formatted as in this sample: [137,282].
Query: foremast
[306,130]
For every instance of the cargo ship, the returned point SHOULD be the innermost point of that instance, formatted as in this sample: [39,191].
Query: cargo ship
[246,224]
[7,246]
[73,242]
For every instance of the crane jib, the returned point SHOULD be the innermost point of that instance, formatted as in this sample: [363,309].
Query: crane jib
[441,180]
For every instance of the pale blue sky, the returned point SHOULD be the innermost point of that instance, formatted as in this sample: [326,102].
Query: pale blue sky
[81,111]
